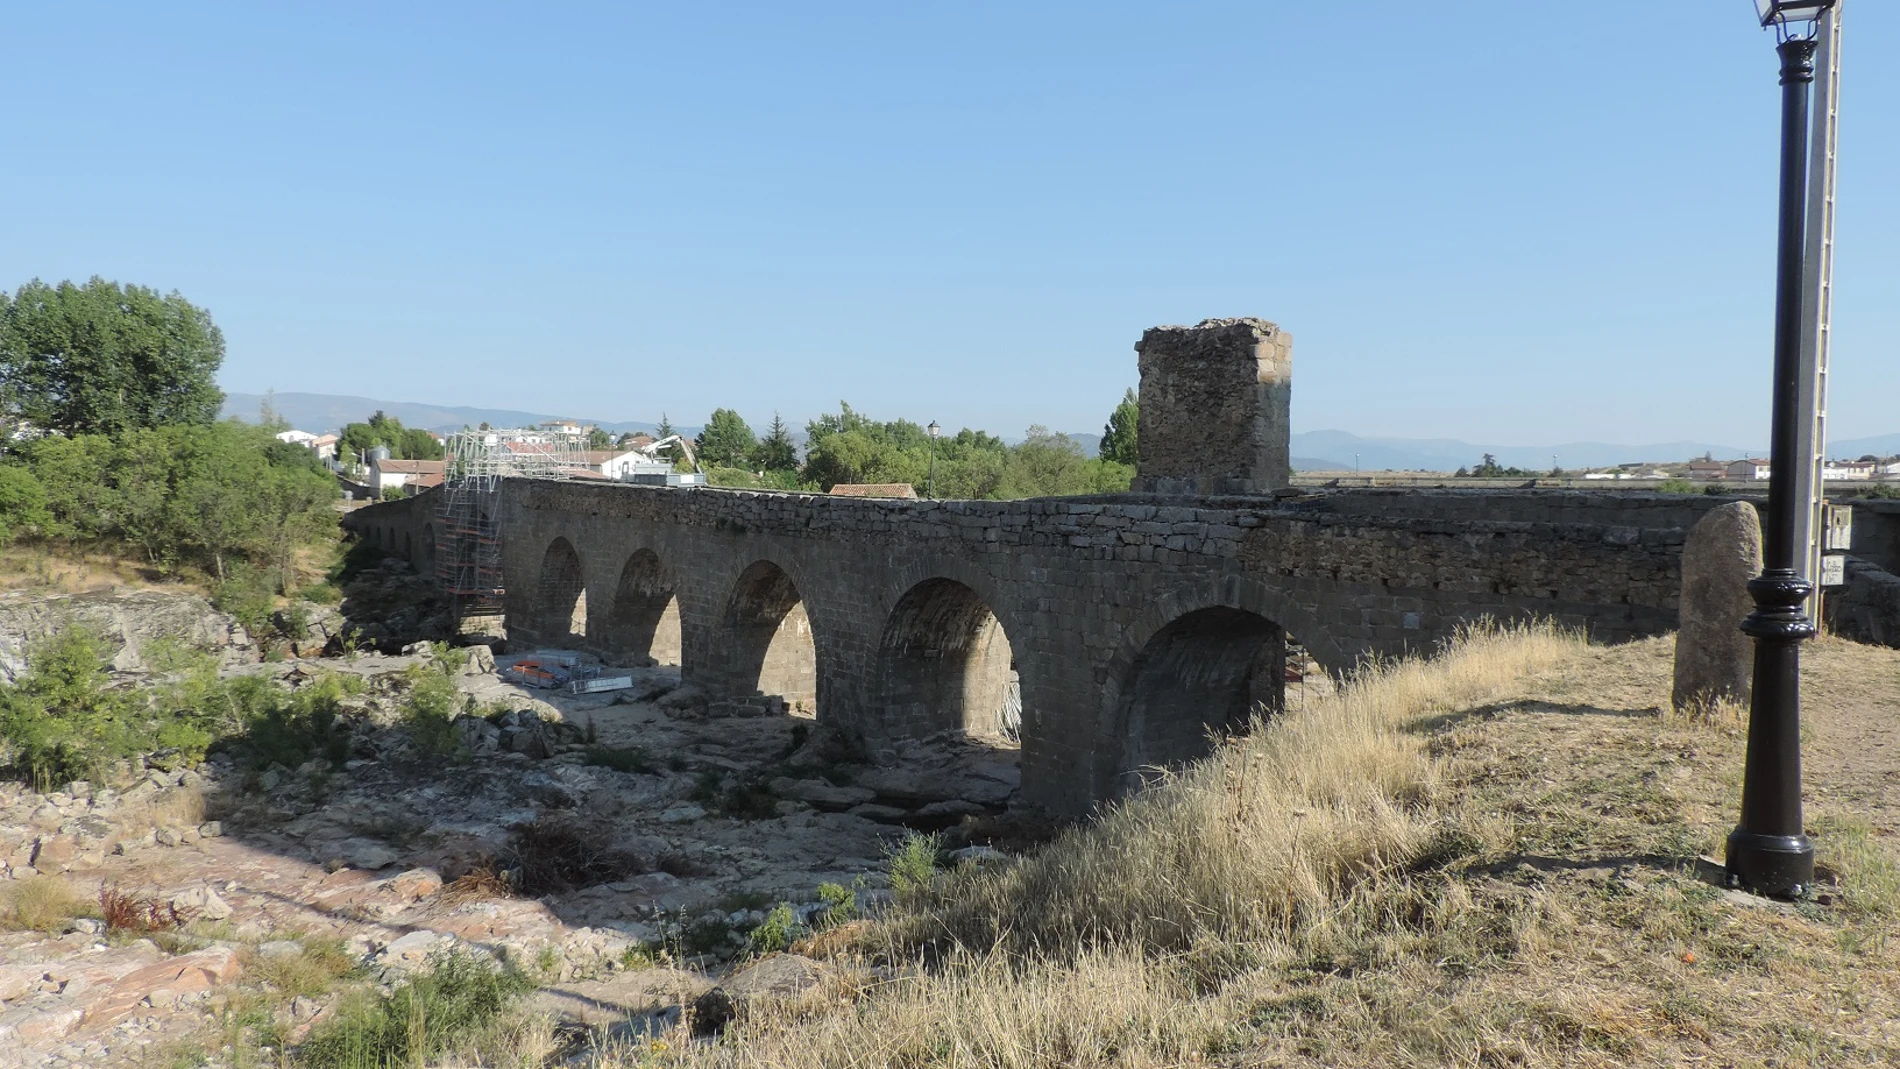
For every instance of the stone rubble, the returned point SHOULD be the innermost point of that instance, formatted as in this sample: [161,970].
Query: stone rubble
[701,810]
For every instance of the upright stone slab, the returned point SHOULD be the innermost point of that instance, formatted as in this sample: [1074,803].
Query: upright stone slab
[1713,657]
[1214,407]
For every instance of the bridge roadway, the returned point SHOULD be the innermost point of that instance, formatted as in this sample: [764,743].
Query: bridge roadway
[1135,623]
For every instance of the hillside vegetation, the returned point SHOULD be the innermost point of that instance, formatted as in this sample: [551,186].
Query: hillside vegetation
[1486,859]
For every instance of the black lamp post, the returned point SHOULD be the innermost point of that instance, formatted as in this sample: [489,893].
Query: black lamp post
[934,432]
[1767,852]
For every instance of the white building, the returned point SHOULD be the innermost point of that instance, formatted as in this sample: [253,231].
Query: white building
[620,464]
[1748,469]
[1848,469]
[386,474]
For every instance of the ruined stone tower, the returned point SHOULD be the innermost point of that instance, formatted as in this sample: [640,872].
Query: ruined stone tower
[1214,408]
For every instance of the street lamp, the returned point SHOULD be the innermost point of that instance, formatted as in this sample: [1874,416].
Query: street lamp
[1767,852]
[934,432]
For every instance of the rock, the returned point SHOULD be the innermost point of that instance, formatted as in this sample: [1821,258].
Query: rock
[550,792]
[780,976]
[280,948]
[366,854]
[126,620]
[202,902]
[1713,657]
[479,737]
[883,814]
[821,794]
[680,814]
[211,829]
[415,947]
[54,853]
[950,807]
[481,662]
[980,855]
[416,884]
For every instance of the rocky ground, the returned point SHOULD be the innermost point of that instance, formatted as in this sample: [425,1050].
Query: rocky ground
[618,846]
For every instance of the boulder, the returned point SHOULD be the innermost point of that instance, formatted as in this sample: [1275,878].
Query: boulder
[821,794]
[1713,657]
[126,620]
[781,976]
[201,902]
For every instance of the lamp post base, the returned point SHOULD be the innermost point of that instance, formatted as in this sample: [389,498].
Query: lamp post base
[1778,866]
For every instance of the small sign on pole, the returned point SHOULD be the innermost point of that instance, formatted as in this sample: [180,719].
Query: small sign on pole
[1834,570]
[1840,528]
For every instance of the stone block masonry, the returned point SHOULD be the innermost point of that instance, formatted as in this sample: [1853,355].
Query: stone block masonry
[1134,623]
[1215,399]
[1136,626]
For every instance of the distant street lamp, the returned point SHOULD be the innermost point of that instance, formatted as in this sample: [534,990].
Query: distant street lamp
[934,432]
[1767,852]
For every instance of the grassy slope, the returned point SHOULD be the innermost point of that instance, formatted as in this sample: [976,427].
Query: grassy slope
[1487,860]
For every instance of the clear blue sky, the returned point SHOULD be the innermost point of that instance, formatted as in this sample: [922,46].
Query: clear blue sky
[1517,224]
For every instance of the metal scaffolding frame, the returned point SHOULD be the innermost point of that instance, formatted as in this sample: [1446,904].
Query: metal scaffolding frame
[468,526]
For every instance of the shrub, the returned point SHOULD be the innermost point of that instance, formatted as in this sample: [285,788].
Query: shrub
[61,722]
[776,932]
[912,865]
[429,708]
[841,904]
[419,1021]
[124,912]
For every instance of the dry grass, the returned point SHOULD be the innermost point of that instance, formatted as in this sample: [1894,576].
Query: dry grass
[1266,839]
[174,807]
[43,903]
[1482,860]
[54,567]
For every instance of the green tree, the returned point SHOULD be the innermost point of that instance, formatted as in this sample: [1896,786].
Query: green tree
[418,444]
[1045,464]
[22,504]
[1118,436]
[105,358]
[775,452]
[598,439]
[726,442]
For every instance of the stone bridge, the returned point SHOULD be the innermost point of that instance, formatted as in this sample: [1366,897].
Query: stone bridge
[1134,624]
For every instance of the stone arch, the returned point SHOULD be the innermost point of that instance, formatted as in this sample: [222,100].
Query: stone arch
[408,545]
[428,549]
[643,620]
[1198,659]
[1205,672]
[561,594]
[943,663]
[767,638]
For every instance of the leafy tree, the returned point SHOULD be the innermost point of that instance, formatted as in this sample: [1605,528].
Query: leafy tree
[598,439]
[418,444]
[403,443]
[726,442]
[22,504]
[203,495]
[1045,464]
[106,358]
[1118,436]
[775,452]
[661,433]
[1491,469]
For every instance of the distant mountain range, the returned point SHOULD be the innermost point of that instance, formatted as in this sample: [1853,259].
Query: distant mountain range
[1312,450]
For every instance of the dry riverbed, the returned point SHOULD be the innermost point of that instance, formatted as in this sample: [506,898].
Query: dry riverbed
[617,847]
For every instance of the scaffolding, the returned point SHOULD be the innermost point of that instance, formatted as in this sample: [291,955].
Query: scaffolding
[468,524]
